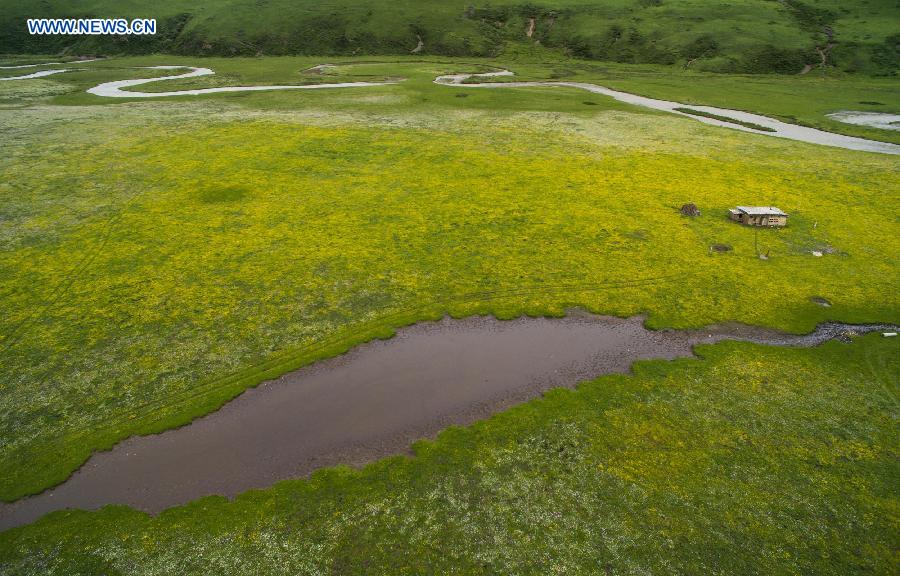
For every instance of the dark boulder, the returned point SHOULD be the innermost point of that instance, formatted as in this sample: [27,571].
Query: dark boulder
[690,209]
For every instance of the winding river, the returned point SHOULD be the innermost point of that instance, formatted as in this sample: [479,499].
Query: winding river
[881,120]
[40,74]
[43,73]
[375,401]
[775,128]
[114,89]
[86,60]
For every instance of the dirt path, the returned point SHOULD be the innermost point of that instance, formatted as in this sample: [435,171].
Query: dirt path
[420,45]
[372,402]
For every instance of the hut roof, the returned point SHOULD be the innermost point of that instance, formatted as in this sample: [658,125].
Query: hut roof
[761,210]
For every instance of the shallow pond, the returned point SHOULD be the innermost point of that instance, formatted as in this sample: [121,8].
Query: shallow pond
[372,402]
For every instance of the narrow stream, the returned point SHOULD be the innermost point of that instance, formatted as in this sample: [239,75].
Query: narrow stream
[774,128]
[40,74]
[375,401]
[114,89]
[882,120]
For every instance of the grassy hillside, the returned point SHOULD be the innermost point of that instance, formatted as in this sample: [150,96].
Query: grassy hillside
[740,36]
[784,464]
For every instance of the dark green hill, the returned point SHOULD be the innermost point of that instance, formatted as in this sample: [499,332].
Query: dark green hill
[737,36]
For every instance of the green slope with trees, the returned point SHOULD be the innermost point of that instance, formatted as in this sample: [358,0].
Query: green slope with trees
[755,36]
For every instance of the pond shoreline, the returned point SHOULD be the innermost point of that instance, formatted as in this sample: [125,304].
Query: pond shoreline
[374,401]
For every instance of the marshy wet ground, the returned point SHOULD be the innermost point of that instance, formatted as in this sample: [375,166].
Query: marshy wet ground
[375,401]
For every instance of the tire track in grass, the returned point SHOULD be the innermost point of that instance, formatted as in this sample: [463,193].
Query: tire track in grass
[391,322]
[342,341]
[19,330]
[880,374]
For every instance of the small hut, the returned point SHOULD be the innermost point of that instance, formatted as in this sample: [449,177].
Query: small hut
[758,216]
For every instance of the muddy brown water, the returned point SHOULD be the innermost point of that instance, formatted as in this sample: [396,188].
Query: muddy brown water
[372,402]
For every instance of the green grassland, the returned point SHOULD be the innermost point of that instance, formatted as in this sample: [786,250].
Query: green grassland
[753,460]
[802,100]
[736,36]
[159,257]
